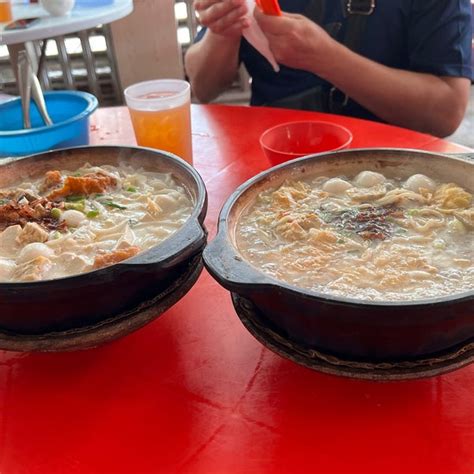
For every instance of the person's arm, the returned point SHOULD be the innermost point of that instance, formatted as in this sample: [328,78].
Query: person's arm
[414,100]
[419,101]
[211,64]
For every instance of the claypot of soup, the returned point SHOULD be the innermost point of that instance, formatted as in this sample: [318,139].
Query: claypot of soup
[87,233]
[362,254]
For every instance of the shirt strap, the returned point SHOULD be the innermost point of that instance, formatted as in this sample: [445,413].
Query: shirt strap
[357,13]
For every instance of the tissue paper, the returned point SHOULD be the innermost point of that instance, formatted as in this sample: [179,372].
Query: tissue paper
[254,35]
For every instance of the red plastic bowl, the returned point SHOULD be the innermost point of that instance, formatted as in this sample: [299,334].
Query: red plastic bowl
[295,139]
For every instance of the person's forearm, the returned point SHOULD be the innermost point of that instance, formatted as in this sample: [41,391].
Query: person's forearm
[414,100]
[211,65]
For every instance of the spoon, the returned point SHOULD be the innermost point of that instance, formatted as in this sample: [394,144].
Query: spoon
[30,87]
[24,84]
[38,97]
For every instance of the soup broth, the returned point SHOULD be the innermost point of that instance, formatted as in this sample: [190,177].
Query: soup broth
[65,223]
[364,237]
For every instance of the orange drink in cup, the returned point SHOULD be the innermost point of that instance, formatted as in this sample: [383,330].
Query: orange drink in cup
[5,11]
[160,113]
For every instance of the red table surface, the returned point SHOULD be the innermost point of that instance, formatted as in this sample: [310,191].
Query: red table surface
[194,392]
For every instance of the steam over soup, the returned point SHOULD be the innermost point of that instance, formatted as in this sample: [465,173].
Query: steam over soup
[365,237]
[68,223]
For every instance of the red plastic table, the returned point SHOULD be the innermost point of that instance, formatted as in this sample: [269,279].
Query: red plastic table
[194,392]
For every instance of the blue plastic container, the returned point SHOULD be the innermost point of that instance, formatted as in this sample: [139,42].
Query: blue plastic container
[69,111]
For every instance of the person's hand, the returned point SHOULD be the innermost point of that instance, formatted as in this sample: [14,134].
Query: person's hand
[295,41]
[223,17]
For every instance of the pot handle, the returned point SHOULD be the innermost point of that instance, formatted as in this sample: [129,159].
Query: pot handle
[229,269]
[174,250]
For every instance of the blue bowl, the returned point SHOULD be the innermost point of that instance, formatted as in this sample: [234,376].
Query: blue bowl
[69,111]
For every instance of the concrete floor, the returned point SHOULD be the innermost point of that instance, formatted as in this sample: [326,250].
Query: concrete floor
[464,135]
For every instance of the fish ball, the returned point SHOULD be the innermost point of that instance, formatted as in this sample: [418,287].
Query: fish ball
[417,181]
[72,217]
[336,186]
[33,250]
[368,179]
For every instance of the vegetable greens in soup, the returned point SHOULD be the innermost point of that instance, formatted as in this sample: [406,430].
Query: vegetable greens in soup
[67,223]
[366,237]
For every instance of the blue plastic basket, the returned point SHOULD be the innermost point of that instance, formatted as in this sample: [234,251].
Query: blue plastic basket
[69,111]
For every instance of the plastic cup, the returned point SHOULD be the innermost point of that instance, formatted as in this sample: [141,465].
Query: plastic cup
[161,116]
[5,11]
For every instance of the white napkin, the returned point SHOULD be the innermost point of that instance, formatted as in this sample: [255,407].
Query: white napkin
[255,36]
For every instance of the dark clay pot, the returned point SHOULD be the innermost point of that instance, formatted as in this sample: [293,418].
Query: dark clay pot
[86,299]
[347,328]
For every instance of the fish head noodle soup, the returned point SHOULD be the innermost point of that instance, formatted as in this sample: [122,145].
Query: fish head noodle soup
[365,236]
[66,223]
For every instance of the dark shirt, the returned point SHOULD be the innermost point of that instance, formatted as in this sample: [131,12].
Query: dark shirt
[432,36]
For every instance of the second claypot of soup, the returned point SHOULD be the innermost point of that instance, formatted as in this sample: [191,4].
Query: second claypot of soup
[365,254]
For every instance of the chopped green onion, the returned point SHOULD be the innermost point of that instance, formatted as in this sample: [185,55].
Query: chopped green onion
[75,198]
[131,189]
[76,206]
[92,214]
[56,213]
[112,204]
[3,201]
[412,212]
